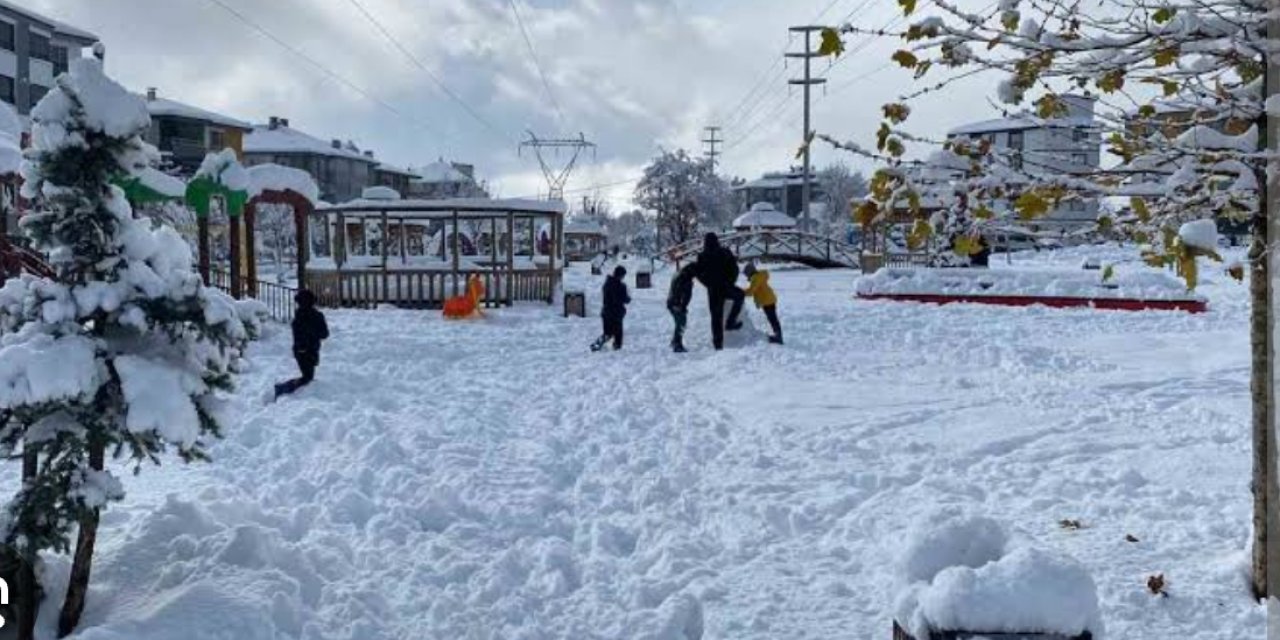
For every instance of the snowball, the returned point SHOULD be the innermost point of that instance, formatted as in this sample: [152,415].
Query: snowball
[1200,234]
[158,395]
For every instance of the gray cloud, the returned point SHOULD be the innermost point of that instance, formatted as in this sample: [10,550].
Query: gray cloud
[634,75]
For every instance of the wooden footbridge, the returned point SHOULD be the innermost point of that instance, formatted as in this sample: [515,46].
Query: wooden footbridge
[819,252]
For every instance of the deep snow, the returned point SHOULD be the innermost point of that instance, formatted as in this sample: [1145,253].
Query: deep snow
[493,479]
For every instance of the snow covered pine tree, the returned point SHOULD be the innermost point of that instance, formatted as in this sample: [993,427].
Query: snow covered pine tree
[124,351]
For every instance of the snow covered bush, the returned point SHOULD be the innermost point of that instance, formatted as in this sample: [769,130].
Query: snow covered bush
[124,351]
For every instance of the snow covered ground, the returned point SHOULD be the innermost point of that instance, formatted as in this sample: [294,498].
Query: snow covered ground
[495,480]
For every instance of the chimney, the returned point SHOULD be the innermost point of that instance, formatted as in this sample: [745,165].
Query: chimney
[273,123]
[151,94]
[335,143]
[368,154]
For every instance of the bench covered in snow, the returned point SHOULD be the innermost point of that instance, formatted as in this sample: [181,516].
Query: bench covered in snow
[1056,288]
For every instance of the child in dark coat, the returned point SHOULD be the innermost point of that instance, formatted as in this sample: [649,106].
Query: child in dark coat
[678,298]
[614,309]
[309,330]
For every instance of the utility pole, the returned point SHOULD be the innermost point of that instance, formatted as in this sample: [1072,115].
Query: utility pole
[808,82]
[1263,294]
[711,141]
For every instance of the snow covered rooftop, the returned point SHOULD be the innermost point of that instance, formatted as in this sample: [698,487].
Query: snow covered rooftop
[1020,123]
[764,215]
[60,28]
[584,228]
[397,170]
[775,181]
[466,207]
[283,139]
[441,172]
[160,107]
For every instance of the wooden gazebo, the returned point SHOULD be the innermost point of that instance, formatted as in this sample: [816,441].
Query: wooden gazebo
[584,240]
[418,253]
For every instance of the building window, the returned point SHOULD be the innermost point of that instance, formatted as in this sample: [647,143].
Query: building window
[1080,158]
[217,140]
[40,47]
[1079,135]
[7,90]
[8,36]
[1015,140]
[60,60]
[37,94]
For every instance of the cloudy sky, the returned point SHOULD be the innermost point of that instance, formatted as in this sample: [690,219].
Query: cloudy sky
[635,76]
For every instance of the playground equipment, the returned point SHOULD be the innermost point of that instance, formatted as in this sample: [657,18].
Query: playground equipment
[468,305]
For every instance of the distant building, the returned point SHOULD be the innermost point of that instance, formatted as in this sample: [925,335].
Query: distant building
[388,175]
[1067,145]
[34,49]
[785,191]
[442,180]
[340,169]
[186,134]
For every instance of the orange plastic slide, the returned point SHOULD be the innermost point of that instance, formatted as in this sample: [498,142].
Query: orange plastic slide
[468,305]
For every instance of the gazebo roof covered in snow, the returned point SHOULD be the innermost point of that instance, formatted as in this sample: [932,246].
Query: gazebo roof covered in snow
[584,228]
[764,216]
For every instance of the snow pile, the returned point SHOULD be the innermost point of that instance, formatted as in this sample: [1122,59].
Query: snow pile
[161,182]
[108,107]
[225,169]
[1148,285]
[274,177]
[380,193]
[1200,234]
[960,578]
[36,368]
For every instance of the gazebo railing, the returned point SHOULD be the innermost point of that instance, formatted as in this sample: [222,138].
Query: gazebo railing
[428,288]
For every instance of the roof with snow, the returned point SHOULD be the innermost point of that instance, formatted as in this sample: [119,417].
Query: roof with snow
[584,228]
[161,107]
[441,172]
[465,207]
[763,215]
[59,28]
[397,170]
[286,140]
[776,181]
[1020,123]
[380,194]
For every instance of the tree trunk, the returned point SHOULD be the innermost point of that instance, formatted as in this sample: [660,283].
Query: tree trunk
[78,588]
[1260,393]
[27,590]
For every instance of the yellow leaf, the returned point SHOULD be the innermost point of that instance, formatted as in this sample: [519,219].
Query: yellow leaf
[908,6]
[1010,20]
[1105,224]
[1030,205]
[866,213]
[1166,56]
[895,148]
[983,213]
[1164,15]
[1050,106]
[1236,271]
[1188,270]
[919,235]
[1147,111]
[1169,87]
[1140,209]
[905,58]
[1112,81]
[1108,273]
[966,246]
[831,45]
[882,136]
[896,113]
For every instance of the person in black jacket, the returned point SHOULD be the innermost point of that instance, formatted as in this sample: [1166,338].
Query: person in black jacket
[717,269]
[309,330]
[678,298]
[614,309]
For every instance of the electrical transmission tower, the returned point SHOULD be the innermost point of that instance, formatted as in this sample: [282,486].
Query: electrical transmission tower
[711,141]
[557,174]
[808,82]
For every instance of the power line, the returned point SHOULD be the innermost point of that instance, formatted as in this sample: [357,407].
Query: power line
[362,92]
[534,54]
[426,70]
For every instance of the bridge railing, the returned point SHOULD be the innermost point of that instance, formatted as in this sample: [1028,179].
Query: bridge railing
[763,244]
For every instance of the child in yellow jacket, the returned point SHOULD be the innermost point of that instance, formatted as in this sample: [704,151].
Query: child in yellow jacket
[765,299]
